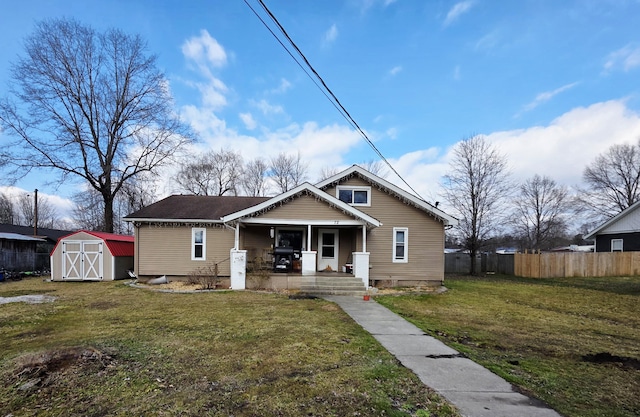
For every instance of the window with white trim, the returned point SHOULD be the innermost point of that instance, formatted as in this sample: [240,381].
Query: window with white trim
[354,195]
[616,245]
[400,244]
[198,244]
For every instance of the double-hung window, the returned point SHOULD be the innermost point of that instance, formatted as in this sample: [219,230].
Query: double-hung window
[616,245]
[198,244]
[400,244]
[354,195]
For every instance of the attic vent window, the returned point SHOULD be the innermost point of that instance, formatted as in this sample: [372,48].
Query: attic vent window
[355,196]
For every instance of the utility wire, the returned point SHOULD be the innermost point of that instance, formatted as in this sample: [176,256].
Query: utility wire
[322,86]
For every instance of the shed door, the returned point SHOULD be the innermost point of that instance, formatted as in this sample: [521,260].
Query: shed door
[82,260]
[92,260]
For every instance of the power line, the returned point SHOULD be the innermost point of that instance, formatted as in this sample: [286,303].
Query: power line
[320,83]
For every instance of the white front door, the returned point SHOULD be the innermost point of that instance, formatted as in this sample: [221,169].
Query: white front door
[328,249]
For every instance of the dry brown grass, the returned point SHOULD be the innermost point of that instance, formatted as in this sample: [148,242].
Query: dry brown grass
[109,349]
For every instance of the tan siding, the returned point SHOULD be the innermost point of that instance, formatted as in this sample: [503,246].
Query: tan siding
[166,250]
[307,208]
[425,244]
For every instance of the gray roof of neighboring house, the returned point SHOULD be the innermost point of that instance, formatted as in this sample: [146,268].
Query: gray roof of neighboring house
[16,236]
[194,207]
[51,235]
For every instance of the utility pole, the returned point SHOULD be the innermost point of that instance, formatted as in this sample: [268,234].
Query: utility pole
[35,214]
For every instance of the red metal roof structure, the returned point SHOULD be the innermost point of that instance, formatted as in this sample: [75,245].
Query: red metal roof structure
[118,245]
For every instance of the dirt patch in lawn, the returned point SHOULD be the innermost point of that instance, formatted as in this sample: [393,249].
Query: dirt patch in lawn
[606,357]
[35,371]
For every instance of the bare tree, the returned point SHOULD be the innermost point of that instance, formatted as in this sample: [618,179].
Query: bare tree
[212,173]
[88,213]
[475,188]
[25,210]
[7,212]
[375,167]
[287,171]
[327,172]
[92,106]
[612,181]
[540,210]
[254,178]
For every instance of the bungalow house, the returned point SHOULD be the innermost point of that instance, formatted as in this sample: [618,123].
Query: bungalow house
[620,233]
[351,224]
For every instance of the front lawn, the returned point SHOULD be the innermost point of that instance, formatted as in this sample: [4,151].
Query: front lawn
[107,349]
[574,342]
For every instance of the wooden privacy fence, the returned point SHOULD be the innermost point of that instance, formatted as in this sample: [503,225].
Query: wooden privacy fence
[576,264]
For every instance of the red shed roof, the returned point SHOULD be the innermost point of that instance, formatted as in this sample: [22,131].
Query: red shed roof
[118,245]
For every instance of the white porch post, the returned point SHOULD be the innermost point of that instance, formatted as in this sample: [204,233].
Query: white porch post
[308,237]
[361,266]
[238,259]
[364,238]
[236,239]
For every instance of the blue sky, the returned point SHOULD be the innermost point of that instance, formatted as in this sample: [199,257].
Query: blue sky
[551,83]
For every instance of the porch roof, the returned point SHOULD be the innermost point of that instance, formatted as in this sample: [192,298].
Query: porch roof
[303,189]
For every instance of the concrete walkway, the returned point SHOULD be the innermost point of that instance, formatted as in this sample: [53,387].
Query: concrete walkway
[476,391]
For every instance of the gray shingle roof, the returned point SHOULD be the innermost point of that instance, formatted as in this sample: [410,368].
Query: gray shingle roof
[195,207]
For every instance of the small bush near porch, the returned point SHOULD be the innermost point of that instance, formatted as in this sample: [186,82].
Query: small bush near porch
[104,348]
[572,342]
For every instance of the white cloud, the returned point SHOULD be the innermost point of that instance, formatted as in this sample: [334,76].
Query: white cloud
[395,70]
[205,55]
[488,41]
[560,150]
[204,50]
[626,58]
[63,206]
[248,120]
[457,10]
[266,108]
[330,35]
[392,132]
[545,96]
[284,86]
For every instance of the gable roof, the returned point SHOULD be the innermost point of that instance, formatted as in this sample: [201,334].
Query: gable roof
[308,189]
[615,219]
[118,245]
[390,188]
[193,207]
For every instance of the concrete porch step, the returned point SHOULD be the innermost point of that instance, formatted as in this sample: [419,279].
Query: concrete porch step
[339,285]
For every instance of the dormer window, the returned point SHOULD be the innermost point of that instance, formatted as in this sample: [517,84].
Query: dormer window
[354,195]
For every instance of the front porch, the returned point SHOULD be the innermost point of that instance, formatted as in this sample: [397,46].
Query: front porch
[291,252]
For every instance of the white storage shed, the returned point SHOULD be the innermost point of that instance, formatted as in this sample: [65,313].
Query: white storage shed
[92,256]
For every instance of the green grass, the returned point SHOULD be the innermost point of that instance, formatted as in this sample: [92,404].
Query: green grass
[574,343]
[108,349]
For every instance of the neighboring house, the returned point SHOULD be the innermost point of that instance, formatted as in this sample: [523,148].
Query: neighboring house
[18,252]
[352,222]
[24,251]
[620,233]
[92,256]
